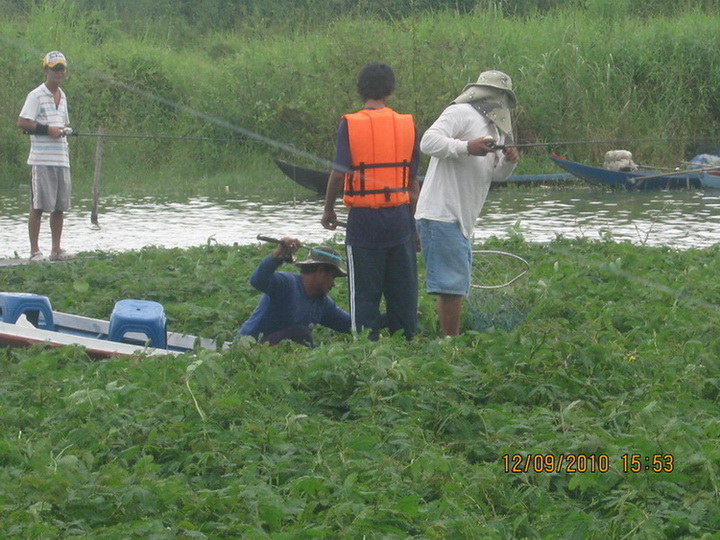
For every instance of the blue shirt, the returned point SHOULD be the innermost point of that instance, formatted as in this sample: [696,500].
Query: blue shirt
[286,303]
[374,227]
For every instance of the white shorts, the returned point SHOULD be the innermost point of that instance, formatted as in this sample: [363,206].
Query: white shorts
[50,188]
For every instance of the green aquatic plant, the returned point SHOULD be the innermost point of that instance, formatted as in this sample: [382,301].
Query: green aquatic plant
[547,430]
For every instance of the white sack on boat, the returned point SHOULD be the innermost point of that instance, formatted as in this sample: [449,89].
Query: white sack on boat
[619,160]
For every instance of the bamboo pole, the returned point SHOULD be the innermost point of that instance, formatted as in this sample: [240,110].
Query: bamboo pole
[676,173]
[96,178]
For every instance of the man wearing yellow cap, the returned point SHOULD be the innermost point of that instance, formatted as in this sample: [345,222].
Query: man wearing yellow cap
[45,117]
[463,163]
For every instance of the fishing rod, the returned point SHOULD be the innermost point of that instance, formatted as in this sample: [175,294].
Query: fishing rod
[312,250]
[171,137]
[69,132]
[601,141]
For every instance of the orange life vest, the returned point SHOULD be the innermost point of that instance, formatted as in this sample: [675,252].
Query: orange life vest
[381,148]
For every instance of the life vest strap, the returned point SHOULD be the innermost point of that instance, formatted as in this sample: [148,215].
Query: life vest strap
[385,191]
[376,191]
[363,166]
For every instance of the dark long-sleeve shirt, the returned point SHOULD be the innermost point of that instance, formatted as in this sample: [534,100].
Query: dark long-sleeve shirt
[286,303]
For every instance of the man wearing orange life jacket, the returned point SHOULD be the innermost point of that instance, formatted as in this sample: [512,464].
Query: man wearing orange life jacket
[380,142]
[375,170]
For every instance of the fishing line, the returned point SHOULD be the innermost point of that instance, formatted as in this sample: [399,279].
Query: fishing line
[676,294]
[328,164]
[212,119]
[502,307]
[180,107]
[599,141]
[168,137]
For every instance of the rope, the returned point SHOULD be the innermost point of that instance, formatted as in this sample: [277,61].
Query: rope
[505,253]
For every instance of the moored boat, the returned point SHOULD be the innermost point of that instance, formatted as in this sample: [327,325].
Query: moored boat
[710,173]
[136,327]
[316,180]
[634,180]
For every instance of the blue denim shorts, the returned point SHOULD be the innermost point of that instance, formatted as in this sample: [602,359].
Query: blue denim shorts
[448,257]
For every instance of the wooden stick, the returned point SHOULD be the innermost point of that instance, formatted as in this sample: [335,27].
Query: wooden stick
[711,167]
[96,178]
[675,173]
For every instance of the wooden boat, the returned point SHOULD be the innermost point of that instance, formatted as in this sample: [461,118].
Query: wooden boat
[316,180]
[631,180]
[710,173]
[63,329]
[711,179]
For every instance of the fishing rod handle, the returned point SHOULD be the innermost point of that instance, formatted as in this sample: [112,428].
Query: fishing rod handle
[269,239]
[66,132]
[286,258]
[272,240]
[495,146]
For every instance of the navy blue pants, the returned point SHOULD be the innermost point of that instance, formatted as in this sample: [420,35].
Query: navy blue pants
[389,272]
[299,334]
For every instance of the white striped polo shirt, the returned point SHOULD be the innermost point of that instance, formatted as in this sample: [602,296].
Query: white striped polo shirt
[40,107]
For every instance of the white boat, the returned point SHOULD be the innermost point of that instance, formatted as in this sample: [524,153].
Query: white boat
[27,319]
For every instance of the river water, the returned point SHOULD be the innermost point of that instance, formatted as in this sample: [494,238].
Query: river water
[679,219]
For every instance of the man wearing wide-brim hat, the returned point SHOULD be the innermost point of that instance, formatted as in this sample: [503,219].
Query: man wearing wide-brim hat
[463,164]
[292,304]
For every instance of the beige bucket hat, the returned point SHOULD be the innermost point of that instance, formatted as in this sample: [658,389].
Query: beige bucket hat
[487,81]
[494,89]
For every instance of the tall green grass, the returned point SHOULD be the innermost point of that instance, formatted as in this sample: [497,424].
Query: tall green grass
[592,72]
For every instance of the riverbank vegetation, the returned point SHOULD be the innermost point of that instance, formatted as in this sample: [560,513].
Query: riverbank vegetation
[616,357]
[274,76]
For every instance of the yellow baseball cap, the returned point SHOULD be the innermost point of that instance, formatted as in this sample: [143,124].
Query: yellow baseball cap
[54,58]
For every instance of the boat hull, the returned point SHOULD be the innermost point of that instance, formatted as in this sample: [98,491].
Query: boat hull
[711,180]
[91,334]
[316,181]
[628,180]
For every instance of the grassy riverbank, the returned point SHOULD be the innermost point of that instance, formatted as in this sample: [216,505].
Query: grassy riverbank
[618,355]
[608,70]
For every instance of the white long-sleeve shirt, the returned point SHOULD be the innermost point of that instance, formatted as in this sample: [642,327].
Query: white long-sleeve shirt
[457,183]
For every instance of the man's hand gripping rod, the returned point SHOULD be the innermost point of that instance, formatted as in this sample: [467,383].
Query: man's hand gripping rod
[311,249]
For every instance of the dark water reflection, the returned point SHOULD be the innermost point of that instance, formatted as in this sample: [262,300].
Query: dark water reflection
[679,219]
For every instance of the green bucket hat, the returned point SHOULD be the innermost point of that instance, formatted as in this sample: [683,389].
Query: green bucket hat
[324,255]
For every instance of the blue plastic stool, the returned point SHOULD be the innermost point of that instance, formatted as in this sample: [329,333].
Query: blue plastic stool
[144,316]
[32,305]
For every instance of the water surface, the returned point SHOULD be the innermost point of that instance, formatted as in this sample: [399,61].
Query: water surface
[678,219]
